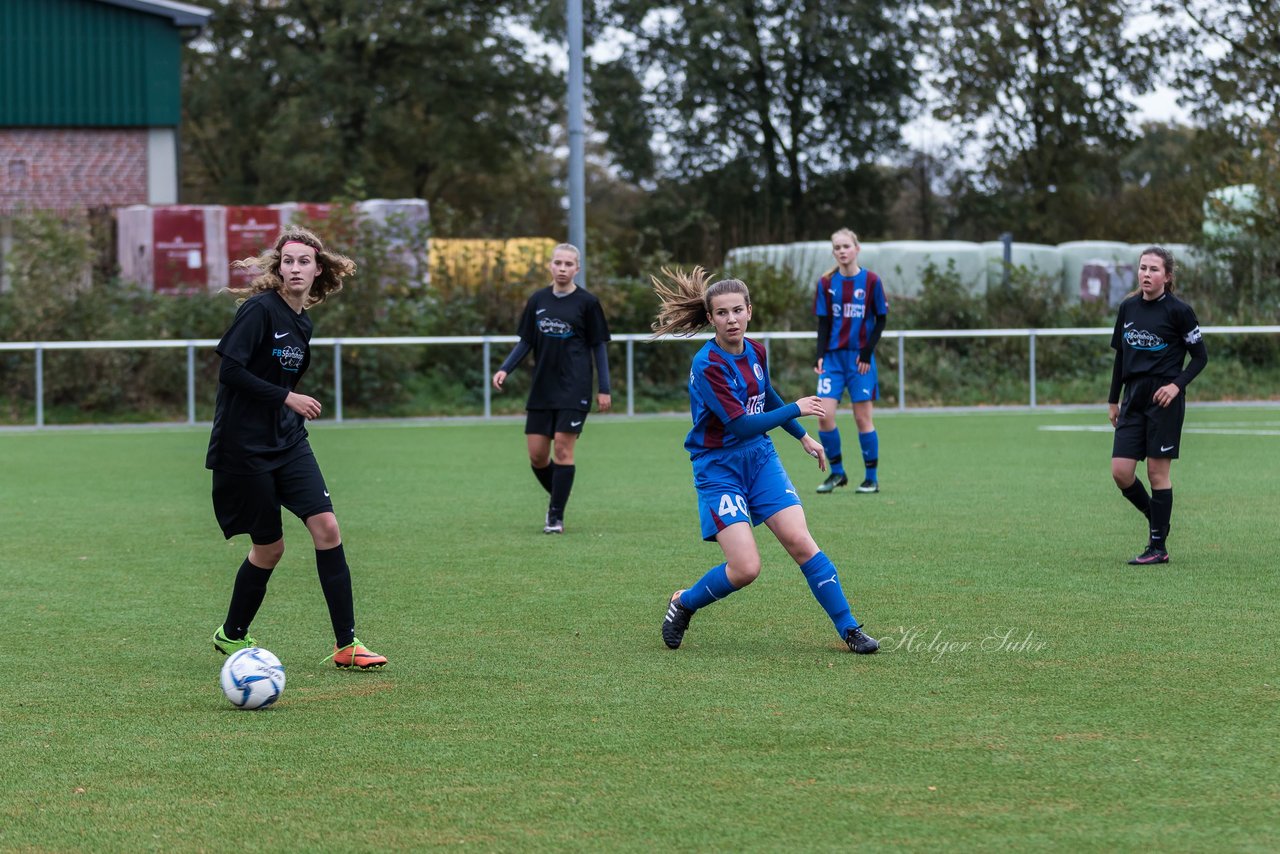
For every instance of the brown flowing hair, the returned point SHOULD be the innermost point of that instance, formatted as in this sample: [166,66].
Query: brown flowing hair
[1167,257]
[686,300]
[333,268]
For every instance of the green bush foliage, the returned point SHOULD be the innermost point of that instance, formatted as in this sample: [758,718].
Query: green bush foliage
[56,296]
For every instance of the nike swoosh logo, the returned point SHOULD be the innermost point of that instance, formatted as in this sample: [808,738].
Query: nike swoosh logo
[828,581]
[574,423]
[1170,448]
[1127,325]
[540,311]
[326,493]
[279,334]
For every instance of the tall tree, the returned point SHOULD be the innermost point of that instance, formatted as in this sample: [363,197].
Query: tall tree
[294,98]
[776,93]
[1045,88]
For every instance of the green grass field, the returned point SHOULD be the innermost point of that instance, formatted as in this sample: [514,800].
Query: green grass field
[1033,692]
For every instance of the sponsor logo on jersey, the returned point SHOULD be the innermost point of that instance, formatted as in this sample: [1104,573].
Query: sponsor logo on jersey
[554,327]
[1194,336]
[290,357]
[1141,339]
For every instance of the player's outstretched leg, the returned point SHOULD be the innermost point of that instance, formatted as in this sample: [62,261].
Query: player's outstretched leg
[824,582]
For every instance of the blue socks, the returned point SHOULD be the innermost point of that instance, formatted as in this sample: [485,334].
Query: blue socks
[824,581]
[711,587]
[870,443]
[831,445]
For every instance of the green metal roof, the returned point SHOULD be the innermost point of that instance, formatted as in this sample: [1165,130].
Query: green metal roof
[93,63]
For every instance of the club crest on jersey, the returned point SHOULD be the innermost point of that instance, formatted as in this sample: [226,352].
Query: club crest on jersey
[290,357]
[1141,339]
[859,293]
[554,327]
[758,372]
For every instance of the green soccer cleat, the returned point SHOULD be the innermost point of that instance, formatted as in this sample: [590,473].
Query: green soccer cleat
[225,645]
[833,480]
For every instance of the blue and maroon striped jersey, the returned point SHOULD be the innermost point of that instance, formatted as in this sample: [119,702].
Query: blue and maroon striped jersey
[852,303]
[723,387]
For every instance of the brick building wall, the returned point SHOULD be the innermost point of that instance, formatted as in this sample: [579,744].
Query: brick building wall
[69,169]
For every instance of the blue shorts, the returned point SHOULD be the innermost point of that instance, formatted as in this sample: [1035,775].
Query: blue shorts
[741,485]
[840,372]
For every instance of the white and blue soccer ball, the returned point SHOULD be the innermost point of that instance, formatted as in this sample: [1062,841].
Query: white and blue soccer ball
[252,678]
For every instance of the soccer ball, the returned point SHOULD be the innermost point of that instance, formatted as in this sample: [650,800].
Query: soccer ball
[252,678]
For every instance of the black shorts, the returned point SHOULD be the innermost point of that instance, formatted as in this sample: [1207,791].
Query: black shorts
[250,503]
[1145,428]
[548,422]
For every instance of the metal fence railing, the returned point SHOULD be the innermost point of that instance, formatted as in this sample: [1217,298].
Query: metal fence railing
[484,369]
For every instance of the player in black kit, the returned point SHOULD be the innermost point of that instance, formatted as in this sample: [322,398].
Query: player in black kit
[258,448]
[1155,332]
[565,328]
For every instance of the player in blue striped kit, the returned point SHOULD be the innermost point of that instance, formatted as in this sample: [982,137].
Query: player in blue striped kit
[852,310]
[736,471]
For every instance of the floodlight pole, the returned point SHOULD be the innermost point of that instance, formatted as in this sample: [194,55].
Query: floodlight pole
[577,136]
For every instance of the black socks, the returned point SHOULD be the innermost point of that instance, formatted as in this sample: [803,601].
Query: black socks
[544,475]
[335,581]
[1161,511]
[1137,495]
[561,486]
[246,598]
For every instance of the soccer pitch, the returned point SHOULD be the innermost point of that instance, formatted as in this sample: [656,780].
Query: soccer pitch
[1033,691]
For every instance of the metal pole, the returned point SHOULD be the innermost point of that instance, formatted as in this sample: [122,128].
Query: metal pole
[484,381]
[1007,240]
[577,137]
[337,380]
[631,376]
[191,383]
[1032,339]
[902,373]
[39,386]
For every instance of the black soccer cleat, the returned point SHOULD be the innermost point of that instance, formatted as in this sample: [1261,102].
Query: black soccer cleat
[676,622]
[833,480]
[1153,554]
[869,486]
[554,525]
[860,643]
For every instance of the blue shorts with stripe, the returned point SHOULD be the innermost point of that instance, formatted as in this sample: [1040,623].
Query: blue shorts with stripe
[745,484]
[840,372]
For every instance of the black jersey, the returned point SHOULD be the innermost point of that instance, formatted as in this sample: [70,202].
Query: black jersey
[1152,339]
[562,331]
[264,354]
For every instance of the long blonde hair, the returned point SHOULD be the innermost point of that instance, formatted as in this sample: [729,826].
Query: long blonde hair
[333,268]
[686,300]
[834,235]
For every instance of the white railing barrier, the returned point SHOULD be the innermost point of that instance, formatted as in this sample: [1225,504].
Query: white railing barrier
[486,342]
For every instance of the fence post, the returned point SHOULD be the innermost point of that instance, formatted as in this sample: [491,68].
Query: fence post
[191,383]
[902,373]
[39,386]
[631,376]
[1032,339]
[337,381]
[484,379]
